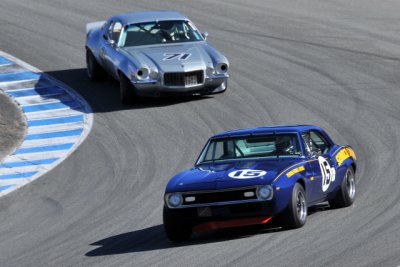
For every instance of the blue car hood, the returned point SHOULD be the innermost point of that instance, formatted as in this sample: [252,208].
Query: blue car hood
[228,174]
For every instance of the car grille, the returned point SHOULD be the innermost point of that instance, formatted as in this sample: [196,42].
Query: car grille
[219,196]
[183,78]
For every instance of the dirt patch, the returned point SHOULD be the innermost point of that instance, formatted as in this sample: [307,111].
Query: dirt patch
[12,126]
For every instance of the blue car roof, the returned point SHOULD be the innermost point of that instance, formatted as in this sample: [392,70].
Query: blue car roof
[268,130]
[148,16]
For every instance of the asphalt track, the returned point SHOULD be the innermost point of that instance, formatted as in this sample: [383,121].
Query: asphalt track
[331,63]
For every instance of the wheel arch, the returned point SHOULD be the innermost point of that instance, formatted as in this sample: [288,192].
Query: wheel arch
[354,165]
[302,182]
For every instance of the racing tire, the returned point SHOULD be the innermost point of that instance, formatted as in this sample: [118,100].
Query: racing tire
[175,230]
[126,90]
[94,70]
[345,196]
[296,213]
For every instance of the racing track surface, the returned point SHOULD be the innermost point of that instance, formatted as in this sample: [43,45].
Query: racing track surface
[332,63]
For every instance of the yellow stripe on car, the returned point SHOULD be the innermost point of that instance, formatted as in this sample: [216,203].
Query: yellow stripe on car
[344,154]
[279,176]
[294,171]
[351,152]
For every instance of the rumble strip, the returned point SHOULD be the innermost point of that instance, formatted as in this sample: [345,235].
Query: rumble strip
[58,121]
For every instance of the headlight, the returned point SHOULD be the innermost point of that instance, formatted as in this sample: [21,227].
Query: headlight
[265,192]
[154,75]
[221,68]
[210,71]
[174,200]
[142,73]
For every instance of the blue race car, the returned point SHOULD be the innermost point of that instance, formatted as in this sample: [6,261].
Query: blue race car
[246,177]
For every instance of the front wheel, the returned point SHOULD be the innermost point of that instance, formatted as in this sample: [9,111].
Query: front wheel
[94,70]
[127,91]
[296,213]
[175,230]
[345,196]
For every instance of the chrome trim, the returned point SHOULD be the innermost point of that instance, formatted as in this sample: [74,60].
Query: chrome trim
[184,86]
[145,81]
[217,76]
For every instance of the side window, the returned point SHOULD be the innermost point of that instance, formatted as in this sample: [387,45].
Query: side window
[219,150]
[307,144]
[319,141]
[114,31]
[209,153]
[108,34]
[312,149]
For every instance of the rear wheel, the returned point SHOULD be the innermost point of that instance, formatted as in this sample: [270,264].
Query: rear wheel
[94,70]
[345,196]
[127,91]
[175,230]
[296,213]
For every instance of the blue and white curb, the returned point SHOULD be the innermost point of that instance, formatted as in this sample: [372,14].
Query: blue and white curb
[58,121]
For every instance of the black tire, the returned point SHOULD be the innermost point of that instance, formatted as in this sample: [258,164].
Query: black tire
[345,196]
[127,91]
[94,70]
[295,215]
[175,230]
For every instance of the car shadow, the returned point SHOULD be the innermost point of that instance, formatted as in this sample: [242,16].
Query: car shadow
[154,238]
[104,96]
[318,208]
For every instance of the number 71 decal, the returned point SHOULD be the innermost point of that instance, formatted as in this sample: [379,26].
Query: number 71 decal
[179,56]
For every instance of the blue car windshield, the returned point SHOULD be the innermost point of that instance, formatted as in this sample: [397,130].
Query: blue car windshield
[266,146]
[162,32]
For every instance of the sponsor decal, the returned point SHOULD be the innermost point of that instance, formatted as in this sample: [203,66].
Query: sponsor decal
[246,174]
[294,171]
[179,56]
[328,173]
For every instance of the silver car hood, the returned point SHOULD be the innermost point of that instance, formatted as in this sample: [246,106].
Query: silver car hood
[172,57]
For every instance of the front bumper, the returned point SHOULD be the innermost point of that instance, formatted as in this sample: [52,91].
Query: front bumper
[155,88]
[201,215]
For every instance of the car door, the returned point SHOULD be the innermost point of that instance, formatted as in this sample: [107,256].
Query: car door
[321,163]
[109,46]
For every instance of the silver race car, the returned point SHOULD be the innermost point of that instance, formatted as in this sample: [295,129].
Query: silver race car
[154,53]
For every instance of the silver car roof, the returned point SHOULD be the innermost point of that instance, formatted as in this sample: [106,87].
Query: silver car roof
[148,16]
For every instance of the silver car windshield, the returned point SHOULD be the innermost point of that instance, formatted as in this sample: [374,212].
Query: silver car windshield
[151,33]
[267,146]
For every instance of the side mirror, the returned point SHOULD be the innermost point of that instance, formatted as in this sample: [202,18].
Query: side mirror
[205,35]
[111,42]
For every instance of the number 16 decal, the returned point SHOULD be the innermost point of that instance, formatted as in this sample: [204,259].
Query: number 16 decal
[180,56]
[328,173]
